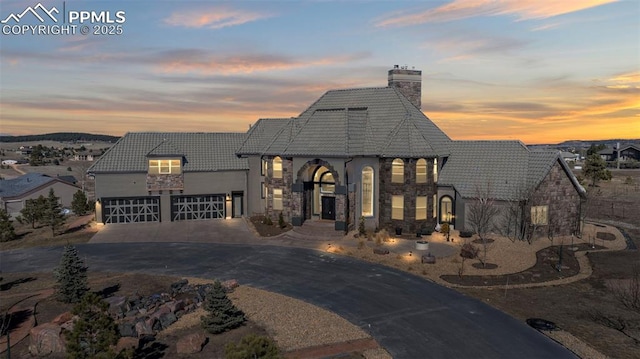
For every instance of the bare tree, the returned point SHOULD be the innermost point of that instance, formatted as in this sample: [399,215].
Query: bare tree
[481,216]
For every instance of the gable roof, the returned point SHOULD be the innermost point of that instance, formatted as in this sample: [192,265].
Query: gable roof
[506,169]
[202,151]
[19,186]
[377,121]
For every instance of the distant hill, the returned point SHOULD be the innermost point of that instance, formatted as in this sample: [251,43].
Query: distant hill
[61,137]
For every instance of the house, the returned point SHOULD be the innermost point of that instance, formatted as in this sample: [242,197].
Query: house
[154,177]
[627,153]
[570,156]
[363,154]
[15,192]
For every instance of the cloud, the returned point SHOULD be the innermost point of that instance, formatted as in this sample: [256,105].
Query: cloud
[213,18]
[465,46]
[200,61]
[463,9]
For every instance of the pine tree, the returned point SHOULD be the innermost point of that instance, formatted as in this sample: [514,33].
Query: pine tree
[7,232]
[33,211]
[53,216]
[71,276]
[95,332]
[595,169]
[223,315]
[79,203]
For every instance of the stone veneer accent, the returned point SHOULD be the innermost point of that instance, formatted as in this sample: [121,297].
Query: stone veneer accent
[284,183]
[409,83]
[410,190]
[165,182]
[558,192]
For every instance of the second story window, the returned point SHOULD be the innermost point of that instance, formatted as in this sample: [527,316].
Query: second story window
[397,171]
[277,167]
[165,167]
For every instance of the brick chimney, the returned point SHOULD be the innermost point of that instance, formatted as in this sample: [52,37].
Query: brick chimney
[408,82]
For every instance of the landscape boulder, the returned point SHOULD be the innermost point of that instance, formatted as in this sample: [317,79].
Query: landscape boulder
[230,285]
[380,251]
[126,343]
[45,339]
[191,344]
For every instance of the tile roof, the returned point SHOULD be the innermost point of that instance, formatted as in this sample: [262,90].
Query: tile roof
[508,170]
[359,122]
[260,134]
[19,186]
[202,151]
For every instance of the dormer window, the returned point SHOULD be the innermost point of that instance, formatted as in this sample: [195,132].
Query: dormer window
[165,167]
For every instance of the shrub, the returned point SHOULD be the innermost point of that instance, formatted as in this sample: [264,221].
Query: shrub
[361,229]
[267,221]
[466,234]
[281,221]
[223,315]
[468,251]
[71,276]
[252,346]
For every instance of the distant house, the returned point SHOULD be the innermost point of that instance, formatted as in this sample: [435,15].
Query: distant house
[15,192]
[628,152]
[569,156]
[87,157]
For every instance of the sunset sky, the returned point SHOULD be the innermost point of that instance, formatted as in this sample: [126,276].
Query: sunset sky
[534,70]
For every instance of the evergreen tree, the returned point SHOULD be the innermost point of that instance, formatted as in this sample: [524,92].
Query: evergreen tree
[71,276]
[79,204]
[7,232]
[595,169]
[53,216]
[95,332]
[33,211]
[36,158]
[223,315]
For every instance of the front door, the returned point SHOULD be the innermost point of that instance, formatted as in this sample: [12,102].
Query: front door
[328,208]
[237,205]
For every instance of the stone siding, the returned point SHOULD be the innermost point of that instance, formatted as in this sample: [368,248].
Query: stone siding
[558,192]
[288,204]
[165,182]
[410,190]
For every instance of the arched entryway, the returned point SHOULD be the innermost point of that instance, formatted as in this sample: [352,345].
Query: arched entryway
[319,194]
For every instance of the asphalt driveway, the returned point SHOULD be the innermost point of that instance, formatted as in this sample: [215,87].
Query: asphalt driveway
[409,316]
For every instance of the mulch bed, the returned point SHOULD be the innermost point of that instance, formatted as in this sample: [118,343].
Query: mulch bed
[268,230]
[546,269]
[479,241]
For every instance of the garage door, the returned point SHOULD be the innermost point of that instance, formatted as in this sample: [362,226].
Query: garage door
[131,210]
[197,207]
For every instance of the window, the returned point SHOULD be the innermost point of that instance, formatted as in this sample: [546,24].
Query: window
[277,167]
[435,207]
[367,191]
[277,199]
[263,190]
[327,184]
[435,170]
[539,215]
[421,171]
[263,168]
[397,171]
[421,207]
[397,207]
[164,167]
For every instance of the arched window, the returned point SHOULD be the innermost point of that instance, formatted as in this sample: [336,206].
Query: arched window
[435,170]
[421,171]
[277,167]
[397,171]
[367,192]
